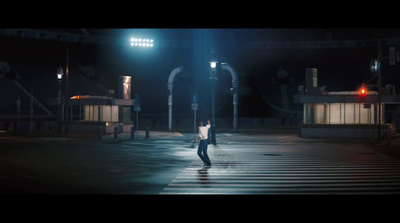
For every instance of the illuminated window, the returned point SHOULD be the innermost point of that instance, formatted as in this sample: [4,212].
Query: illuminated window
[341,113]
[320,113]
[107,113]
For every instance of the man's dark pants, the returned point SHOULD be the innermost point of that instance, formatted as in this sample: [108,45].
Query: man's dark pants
[202,151]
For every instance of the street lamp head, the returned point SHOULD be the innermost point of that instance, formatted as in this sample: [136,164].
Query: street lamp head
[213,64]
[60,73]
[213,60]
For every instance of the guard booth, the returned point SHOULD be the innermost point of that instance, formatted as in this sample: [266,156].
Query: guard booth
[101,111]
[343,113]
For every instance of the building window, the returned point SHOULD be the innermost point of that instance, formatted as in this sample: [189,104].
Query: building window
[341,113]
[107,113]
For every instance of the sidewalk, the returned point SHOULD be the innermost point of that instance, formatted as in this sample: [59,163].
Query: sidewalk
[248,136]
[37,136]
[278,136]
[141,134]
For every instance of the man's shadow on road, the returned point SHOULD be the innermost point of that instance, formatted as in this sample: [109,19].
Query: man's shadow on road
[202,175]
[223,158]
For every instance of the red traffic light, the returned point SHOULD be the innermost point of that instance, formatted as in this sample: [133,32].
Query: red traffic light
[363,91]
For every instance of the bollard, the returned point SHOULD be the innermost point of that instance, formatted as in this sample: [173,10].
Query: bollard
[132,132]
[115,132]
[99,132]
[147,132]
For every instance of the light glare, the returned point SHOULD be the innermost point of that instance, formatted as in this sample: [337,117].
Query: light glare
[142,42]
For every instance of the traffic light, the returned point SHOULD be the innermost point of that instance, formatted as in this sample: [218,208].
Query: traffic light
[363,91]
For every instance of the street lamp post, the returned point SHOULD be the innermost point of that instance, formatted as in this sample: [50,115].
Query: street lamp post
[60,74]
[137,108]
[66,94]
[234,92]
[213,78]
[194,108]
[170,86]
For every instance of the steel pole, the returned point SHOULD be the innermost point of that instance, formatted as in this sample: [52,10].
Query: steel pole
[194,128]
[170,86]
[213,82]
[66,95]
[170,111]
[235,86]
[379,85]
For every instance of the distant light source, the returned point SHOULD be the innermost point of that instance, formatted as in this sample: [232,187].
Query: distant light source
[60,73]
[363,91]
[139,42]
[213,64]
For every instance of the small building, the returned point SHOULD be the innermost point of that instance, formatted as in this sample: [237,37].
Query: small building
[103,112]
[343,113]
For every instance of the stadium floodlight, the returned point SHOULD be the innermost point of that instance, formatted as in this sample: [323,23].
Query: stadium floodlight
[140,42]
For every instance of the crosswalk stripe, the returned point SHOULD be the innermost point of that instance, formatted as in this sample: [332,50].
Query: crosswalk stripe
[259,174]
[347,190]
[292,181]
[282,185]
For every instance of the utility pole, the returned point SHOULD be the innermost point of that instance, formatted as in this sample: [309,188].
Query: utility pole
[194,109]
[66,95]
[379,86]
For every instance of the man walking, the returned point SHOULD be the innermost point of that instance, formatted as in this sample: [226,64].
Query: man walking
[203,142]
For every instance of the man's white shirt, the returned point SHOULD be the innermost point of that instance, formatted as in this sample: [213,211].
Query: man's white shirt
[203,132]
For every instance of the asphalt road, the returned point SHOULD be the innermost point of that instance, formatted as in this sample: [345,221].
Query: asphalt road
[70,165]
[259,162]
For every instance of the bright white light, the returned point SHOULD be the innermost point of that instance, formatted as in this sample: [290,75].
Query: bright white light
[59,76]
[213,64]
[142,42]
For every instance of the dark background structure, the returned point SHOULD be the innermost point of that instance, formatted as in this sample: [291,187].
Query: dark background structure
[97,56]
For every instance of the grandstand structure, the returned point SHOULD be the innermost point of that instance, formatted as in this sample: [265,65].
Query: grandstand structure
[21,109]
[26,108]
